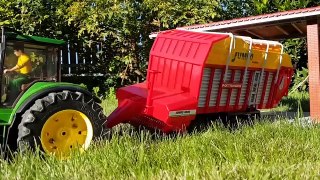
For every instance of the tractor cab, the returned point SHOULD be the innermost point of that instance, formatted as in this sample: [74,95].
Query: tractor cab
[42,54]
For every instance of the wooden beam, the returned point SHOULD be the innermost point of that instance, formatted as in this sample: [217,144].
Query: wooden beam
[252,33]
[290,36]
[297,28]
[235,33]
[282,30]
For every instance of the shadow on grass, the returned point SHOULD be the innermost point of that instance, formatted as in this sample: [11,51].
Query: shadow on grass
[199,125]
[292,102]
[230,123]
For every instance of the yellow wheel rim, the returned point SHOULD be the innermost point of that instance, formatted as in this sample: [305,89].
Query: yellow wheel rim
[65,131]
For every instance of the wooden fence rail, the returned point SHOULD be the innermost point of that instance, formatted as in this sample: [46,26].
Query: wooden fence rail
[78,60]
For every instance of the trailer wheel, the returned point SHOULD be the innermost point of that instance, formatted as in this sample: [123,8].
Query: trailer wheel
[60,123]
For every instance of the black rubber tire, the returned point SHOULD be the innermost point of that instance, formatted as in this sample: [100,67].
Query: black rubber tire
[29,130]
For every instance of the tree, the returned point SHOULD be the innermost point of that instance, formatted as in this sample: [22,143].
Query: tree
[121,29]
[113,34]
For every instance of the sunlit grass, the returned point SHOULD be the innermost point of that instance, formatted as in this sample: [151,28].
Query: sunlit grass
[109,104]
[267,150]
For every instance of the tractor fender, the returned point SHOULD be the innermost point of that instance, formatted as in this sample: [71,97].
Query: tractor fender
[45,92]
[38,95]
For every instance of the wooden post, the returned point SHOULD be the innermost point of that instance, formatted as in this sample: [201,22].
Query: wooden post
[314,69]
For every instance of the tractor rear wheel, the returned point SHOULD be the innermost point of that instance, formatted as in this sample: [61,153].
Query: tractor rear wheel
[60,123]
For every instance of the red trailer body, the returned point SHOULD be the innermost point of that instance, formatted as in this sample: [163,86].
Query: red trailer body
[185,79]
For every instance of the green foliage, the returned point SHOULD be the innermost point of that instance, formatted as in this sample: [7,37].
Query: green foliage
[109,104]
[300,110]
[295,102]
[242,8]
[172,13]
[297,49]
[121,28]
[300,80]
[285,5]
[7,12]
[111,94]
[114,34]
[96,91]
[83,85]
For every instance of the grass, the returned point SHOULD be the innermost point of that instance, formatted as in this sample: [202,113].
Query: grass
[293,102]
[266,150]
[109,104]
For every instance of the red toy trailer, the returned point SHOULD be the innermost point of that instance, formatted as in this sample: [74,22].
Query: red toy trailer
[198,73]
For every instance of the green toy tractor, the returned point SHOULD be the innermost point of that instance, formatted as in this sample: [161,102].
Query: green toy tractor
[48,114]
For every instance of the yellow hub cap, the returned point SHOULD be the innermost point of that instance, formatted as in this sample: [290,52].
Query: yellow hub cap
[66,130]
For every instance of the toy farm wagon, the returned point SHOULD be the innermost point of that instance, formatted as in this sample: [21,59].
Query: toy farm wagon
[199,74]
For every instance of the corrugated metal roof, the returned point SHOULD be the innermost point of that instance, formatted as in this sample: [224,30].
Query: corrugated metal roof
[298,13]
[275,26]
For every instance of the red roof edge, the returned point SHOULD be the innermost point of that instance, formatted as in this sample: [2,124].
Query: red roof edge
[262,16]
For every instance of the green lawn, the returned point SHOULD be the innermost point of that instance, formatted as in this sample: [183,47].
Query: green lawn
[294,102]
[266,150]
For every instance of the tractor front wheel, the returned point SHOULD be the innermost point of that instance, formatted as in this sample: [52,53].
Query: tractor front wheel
[60,123]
